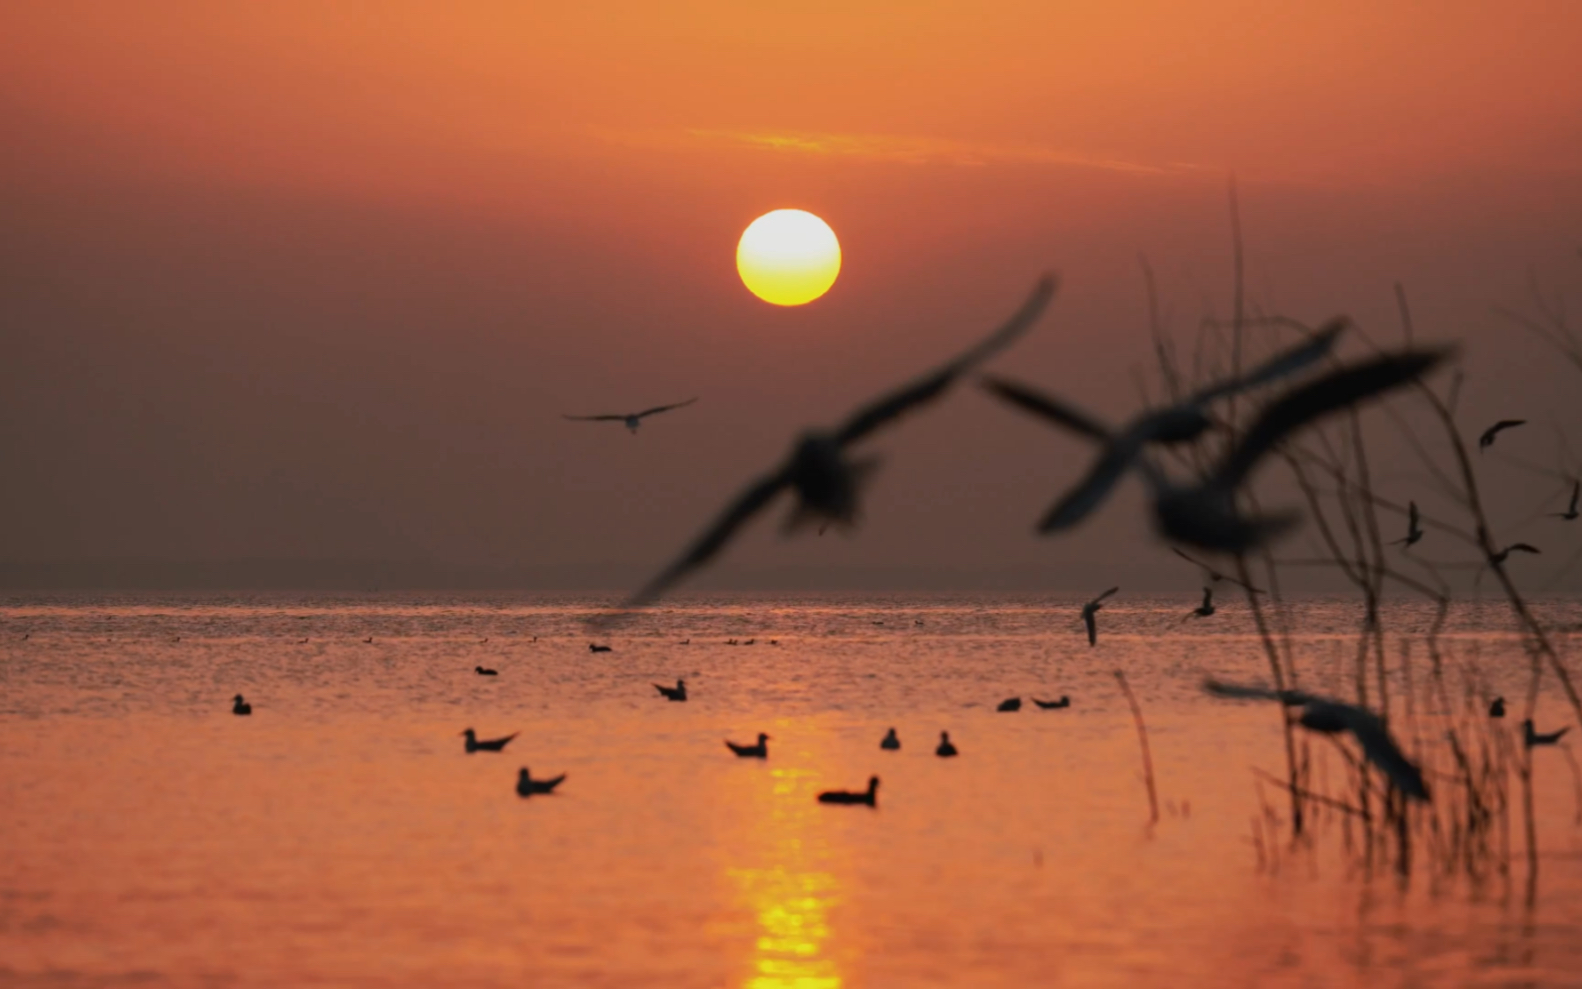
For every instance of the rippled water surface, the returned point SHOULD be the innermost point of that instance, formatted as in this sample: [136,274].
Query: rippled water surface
[341,837]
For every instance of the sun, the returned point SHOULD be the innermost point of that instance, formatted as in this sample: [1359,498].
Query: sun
[788,257]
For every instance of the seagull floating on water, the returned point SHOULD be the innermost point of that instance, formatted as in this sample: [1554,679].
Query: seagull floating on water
[825,481]
[1532,737]
[676,693]
[1330,716]
[485,672]
[1414,531]
[526,785]
[239,706]
[1487,439]
[1010,704]
[1497,708]
[632,419]
[890,742]
[1571,514]
[594,648]
[946,748]
[1090,610]
[487,745]
[1064,701]
[759,751]
[868,796]
[1214,576]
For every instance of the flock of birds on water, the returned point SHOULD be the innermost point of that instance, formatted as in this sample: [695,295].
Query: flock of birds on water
[825,478]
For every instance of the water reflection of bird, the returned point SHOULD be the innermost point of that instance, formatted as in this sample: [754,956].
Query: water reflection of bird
[1487,439]
[632,419]
[239,706]
[1533,737]
[890,742]
[1010,704]
[1064,701]
[1497,708]
[759,751]
[526,785]
[946,748]
[1329,716]
[485,672]
[1414,531]
[676,693]
[487,745]
[1089,613]
[824,480]
[1571,514]
[868,796]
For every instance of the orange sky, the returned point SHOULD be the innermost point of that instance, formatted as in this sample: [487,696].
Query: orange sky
[317,279]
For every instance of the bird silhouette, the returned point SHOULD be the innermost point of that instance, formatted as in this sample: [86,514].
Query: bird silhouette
[485,672]
[890,742]
[1497,708]
[487,745]
[825,481]
[1414,531]
[368,641]
[1505,553]
[868,797]
[1206,608]
[1064,701]
[945,749]
[1089,613]
[632,419]
[1571,514]
[676,693]
[759,751]
[594,648]
[1010,704]
[1487,439]
[526,785]
[1330,716]
[1532,737]
[239,706]
[1215,576]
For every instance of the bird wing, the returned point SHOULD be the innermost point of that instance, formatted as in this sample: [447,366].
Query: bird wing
[1505,424]
[1219,688]
[1523,548]
[1106,594]
[714,538]
[876,414]
[1411,516]
[664,408]
[1281,365]
[1382,751]
[1091,622]
[1031,400]
[1094,487]
[1335,390]
[1208,596]
[595,418]
[1576,492]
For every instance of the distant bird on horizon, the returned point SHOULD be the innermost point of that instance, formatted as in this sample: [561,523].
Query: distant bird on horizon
[1571,514]
[1331,717]
[488,745]
[868,797]
[1414,531]
[1214,576]
[759,751]
[369,640]
[685,642]
[1487,439]
[1089,613]
[1010,704]
[1206,608]
[824,480]
[526,785]
[890,743]
[485,672]
[1064,701]
[632,419]
[946,748]
[239,706]
[1497,708]
[594,648]
[1533,738]
[676,693]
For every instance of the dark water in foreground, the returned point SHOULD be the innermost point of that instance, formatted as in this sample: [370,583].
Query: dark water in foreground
[340,837]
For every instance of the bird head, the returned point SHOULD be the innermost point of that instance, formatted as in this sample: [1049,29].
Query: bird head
[469,733]
[762,738]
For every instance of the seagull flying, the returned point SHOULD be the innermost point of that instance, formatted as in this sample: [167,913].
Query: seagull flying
[1414,532]
[1505,553]
[632,419]
[1487,439]
[1091,609]
[825,481]
[1571,513]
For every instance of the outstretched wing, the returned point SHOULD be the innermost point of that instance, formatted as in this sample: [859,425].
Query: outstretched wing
[1332,392]
[1281,365]
[1523,548]
[1411,515]
[1081,500]
[871,417]
[1106,594]
[595,418]
[1219,688]
[1382,751]
[714,538]
[1030,400]
[664,408]
[1092,624]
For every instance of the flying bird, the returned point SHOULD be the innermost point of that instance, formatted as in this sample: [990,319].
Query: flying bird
[1487,439]
[1414,531]
[1010,704]
[826,482]
[1331,717]
[759,751]
[676,693]
[239,706]
[1064,701]
[946,748]
[632,419]
[1090,610]
[1505,553]
[868,796]
[489,744]
[1532,737]
[526,785]
[1571,513]
[890,742]
[1214,576]
[1206,608]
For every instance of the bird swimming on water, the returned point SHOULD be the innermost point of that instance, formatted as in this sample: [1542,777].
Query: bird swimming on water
[1497,708]
[1331,717]
[239,706]
[676,693]
[825,481]
[487,745]
[868,797]
[759,751]
[1533,737]
[526,785]
[632,419]
[1487,439]
[946,747]
[890,742]
[1064,701]
[1010,704]
[485,672]
[1414,532]
[1089,613]
[594,648]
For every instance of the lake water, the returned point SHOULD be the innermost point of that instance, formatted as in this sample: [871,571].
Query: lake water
[341,837]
